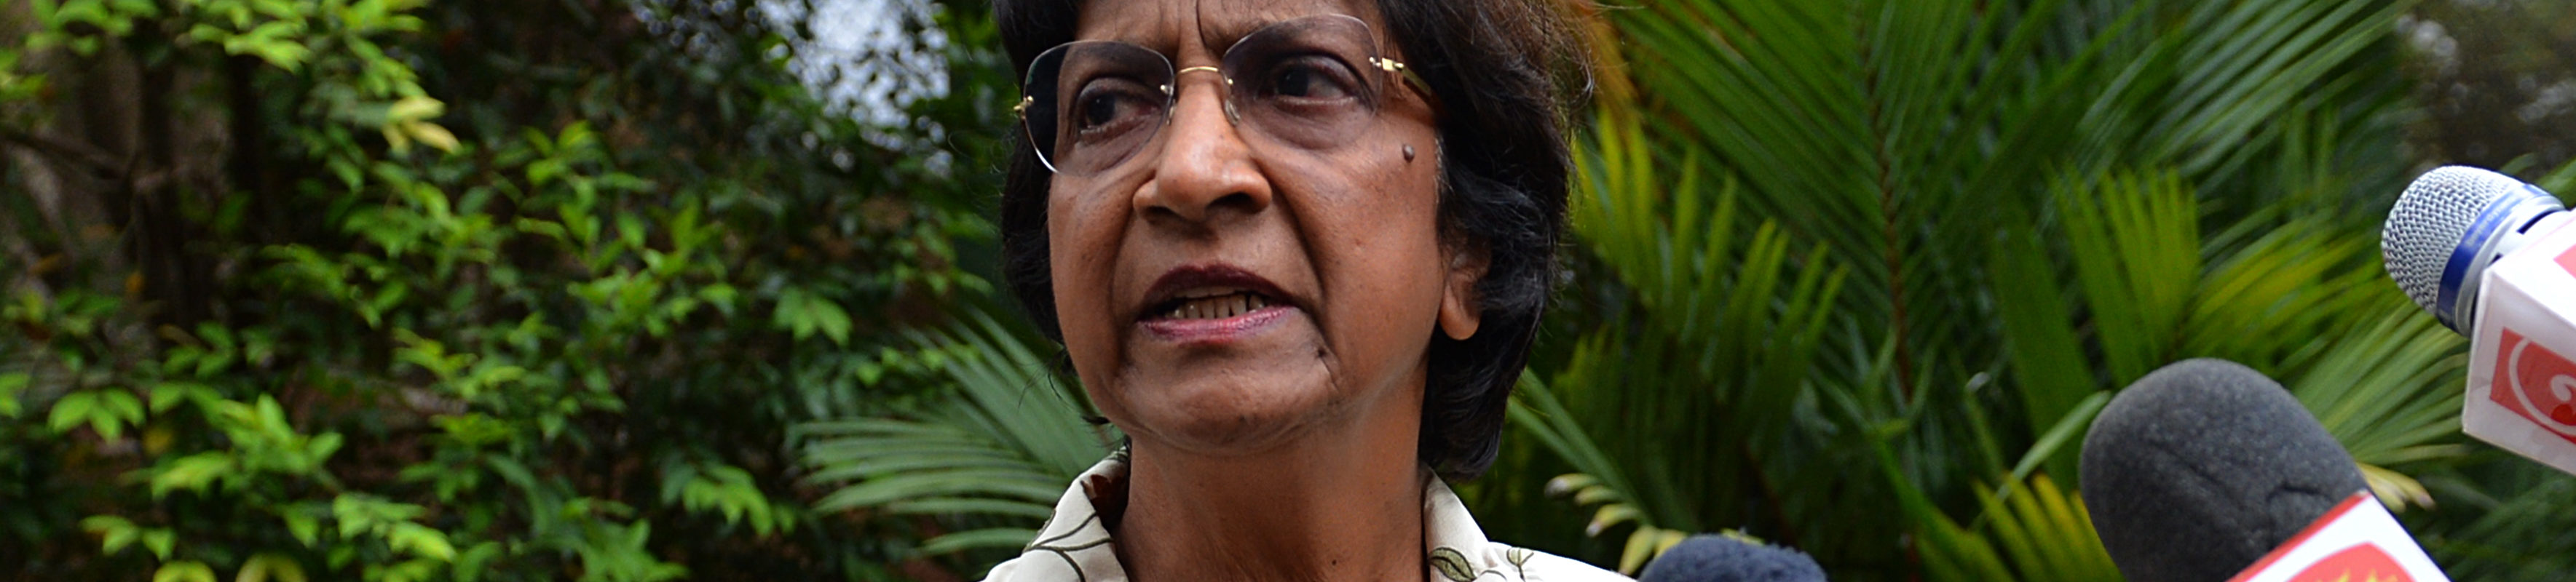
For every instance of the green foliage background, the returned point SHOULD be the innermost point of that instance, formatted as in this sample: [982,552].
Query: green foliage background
[393,290]
[599,289]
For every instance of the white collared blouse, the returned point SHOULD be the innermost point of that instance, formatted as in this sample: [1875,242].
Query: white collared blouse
[1075,546]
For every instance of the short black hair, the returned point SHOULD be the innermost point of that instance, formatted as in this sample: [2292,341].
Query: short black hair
[1507,73]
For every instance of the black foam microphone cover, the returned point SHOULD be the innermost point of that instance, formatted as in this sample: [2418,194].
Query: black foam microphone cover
[1716,558]
[2202,467]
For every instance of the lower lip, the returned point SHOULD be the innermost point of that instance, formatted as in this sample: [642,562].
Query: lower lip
[1210,331]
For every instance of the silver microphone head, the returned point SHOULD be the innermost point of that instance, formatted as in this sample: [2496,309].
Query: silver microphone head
[2448,226]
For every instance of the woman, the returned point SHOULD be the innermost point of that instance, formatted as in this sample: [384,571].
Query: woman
[1295,250]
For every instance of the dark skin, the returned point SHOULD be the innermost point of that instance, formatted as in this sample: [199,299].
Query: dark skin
[1280,446]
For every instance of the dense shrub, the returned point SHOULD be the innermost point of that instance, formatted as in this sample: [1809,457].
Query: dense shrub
[484,290]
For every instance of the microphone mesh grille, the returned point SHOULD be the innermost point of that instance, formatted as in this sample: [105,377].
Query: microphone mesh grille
[2428,222]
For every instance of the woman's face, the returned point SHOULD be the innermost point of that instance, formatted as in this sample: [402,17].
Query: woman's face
[1226,291]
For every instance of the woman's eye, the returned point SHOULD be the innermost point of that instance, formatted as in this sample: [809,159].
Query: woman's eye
[1312,78]
[1109,107]
[1099,110]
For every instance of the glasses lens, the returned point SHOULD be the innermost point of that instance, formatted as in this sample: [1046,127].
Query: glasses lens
[1310,82]
[1092,104]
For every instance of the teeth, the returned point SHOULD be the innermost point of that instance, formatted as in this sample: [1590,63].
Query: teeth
[1217,306]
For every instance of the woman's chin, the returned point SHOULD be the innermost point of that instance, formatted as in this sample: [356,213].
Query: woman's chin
[1231,411]
[1241,386]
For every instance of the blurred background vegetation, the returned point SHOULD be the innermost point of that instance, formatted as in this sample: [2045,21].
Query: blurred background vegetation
[661,289]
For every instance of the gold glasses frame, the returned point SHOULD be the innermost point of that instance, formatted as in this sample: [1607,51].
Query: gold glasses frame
[1050,61]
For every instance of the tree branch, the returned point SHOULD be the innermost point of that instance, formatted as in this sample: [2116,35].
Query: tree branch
[98,163]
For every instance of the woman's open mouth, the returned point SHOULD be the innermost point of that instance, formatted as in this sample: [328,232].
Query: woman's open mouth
[1212,304]
[1216,306]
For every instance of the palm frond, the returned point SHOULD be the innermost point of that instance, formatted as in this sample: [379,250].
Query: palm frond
[1738,315]
[1598,481]
[2030,530]
[2046,356]
[2014,206]
[2522,536]
[2136,243]
[1003,445]
[2390,392]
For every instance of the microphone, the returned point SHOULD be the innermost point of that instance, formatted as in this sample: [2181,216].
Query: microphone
[1718,558]
[2206,470]
[2450,226]
[2484,252]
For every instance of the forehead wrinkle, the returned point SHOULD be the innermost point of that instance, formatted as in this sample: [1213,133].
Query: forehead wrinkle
[1218,23]
[1221,32]
[1147,27]
[1232,25]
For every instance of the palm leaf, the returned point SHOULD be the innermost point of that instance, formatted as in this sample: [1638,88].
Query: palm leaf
[2027,529]
[2136,240]
[1002,446]
[2391,394]
[1740,316]
[2522,536]
[2015,206]
[2046,357]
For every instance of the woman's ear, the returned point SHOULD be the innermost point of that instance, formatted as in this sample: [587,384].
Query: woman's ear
[1460,310]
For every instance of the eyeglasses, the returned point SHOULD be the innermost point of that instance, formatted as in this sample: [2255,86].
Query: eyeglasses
[1310,83]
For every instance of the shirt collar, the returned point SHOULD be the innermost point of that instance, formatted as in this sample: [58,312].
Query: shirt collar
[1075,542]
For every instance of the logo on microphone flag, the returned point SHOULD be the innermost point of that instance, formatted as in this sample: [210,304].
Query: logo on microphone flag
[2537,384]
[2357,541]
[2362,563]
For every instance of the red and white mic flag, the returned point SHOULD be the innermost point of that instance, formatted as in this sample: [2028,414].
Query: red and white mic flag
[2522,386]
[2358,541]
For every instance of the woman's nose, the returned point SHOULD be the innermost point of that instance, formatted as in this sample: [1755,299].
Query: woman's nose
[1205,168]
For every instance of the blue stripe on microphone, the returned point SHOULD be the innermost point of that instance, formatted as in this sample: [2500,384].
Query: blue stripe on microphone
[2471,240]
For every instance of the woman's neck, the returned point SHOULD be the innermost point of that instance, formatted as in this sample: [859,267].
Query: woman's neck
[1342,506]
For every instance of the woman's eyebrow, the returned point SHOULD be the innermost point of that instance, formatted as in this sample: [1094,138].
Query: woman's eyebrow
[1220,33]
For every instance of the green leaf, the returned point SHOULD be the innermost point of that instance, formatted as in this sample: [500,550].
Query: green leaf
[472,563]
[994,538]
[184,571]
[416,107]
[192,473]
[430,134]
[71,410]
[2137,257]
[2047,533]
[805,313]
[512,471]
[421,541]
[305,528]
[270,565]
[2047,357]
[160,541]
[167,394]
[993,448]
[952,505]
[1643,545]
[1950,553]
[1610,515]
[10,384]
[2069,428]
[116,410]
[115,532]
[2390,392]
